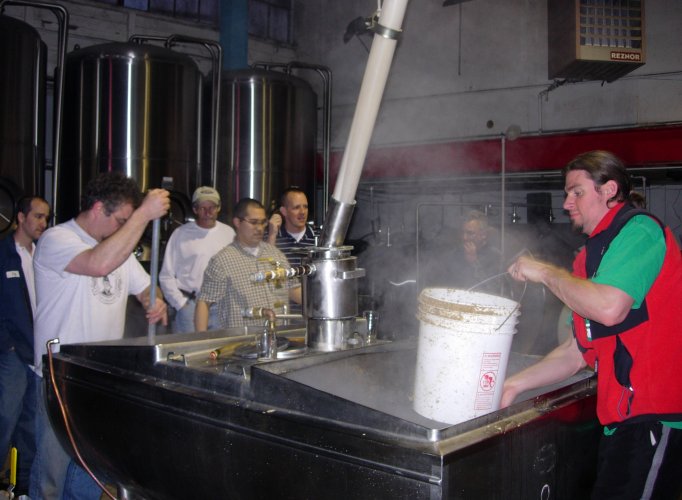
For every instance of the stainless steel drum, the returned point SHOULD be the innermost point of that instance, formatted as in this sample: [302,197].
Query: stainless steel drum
[331,297]
[131,108]
[267,137]
[22,121]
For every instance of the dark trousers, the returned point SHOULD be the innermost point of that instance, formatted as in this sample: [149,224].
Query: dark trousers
[640,461]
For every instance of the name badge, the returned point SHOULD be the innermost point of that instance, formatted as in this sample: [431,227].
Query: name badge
[13,274]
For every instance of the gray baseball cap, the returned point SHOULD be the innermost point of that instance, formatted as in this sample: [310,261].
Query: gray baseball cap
[206,193]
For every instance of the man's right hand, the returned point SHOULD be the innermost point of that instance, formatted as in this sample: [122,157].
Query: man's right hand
[274,223]
[155,204]
[470,252]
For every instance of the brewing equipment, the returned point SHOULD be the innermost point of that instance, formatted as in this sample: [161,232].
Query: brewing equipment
[330,326]
[170,421]
[330,294]
[131,108]
[331,297]
[267,137]
[23,64]
[22,123]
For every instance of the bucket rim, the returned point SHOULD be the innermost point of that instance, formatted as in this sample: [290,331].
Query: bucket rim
[453,326]
[448,296]
[470,313]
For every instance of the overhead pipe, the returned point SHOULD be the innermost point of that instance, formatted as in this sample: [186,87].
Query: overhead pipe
[330,292]
[387,31]
[216,52]
[512,133]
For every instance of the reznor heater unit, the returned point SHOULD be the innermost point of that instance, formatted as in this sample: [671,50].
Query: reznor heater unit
[595,39]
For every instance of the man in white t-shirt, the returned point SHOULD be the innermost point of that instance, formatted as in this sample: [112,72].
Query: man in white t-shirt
[84,272]
[187,254]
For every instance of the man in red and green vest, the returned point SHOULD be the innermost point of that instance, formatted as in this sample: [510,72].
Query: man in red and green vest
[625,292]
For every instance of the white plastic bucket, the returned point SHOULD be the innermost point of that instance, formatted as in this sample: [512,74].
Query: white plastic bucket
[464,343]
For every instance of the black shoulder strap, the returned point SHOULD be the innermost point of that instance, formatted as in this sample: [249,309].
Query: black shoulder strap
[595,248]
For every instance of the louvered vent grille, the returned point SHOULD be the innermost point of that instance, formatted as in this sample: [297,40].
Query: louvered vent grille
[595,39]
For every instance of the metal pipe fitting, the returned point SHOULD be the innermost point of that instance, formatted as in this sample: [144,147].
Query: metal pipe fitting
[336,223]
[280,273]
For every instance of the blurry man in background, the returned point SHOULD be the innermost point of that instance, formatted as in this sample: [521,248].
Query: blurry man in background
[84,272]
[294,233]
[17,306]
[470,262]
[187,254]
[228,285]
[624,293]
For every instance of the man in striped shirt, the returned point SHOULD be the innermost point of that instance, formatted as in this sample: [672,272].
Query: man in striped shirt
[289,231]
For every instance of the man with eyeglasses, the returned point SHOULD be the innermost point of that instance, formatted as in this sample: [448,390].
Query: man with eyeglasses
[228,284]
[84,272]
[187,254]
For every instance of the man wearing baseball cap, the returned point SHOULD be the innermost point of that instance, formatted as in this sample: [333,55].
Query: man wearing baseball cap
[189,249]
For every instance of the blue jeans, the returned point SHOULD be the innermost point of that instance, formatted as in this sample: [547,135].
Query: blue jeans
[79,485]
[184,318]
[54,474]
[18,413]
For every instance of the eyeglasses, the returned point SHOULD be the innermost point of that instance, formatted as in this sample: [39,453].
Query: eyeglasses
[259,222]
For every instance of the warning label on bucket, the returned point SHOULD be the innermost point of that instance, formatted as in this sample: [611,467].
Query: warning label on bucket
[487,380]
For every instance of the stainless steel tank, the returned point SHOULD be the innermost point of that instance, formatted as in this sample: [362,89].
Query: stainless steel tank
[131,108]
[23,65]
[267,137]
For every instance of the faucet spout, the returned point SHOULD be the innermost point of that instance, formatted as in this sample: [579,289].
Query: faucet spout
[267,342]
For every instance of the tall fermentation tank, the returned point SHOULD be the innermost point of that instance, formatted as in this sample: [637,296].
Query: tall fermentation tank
[22,117]
[267,137]
[134,109]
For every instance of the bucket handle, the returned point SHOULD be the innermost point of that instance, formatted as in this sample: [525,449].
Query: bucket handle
[525,284]
[518,303]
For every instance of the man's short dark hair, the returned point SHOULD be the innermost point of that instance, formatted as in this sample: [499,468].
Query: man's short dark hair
[113,189]
[24,204]
[242,207]
[287,191]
